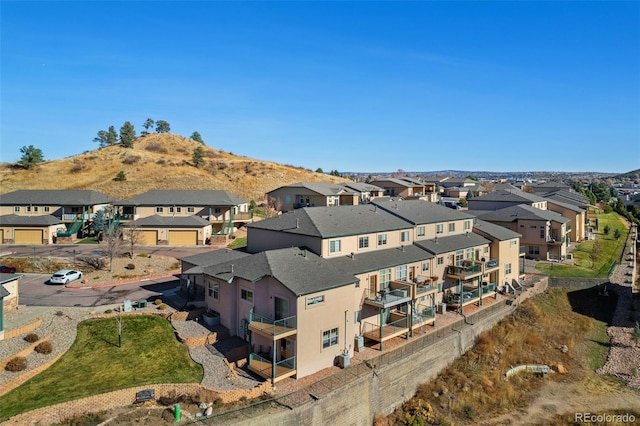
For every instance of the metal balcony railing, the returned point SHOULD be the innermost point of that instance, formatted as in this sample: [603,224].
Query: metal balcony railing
[271,327]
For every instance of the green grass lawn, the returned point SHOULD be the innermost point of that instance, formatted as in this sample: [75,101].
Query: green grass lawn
[95,364]
[238,243]
[89,240]
[584,266]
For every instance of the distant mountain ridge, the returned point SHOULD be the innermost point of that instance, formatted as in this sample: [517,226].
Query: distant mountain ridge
[157,161]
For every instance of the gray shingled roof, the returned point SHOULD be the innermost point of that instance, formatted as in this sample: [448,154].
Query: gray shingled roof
[362,187]
[322,188]
[156,221]
[15,220]
[569,197]
[398,182]
[498,232]
[299,270]
[211,258]
[379,259]
[419,211]
[176,197]
[329,222]
[514,195]
[522,211]
[564,203]
[451,243]
[54,197]
[3,291]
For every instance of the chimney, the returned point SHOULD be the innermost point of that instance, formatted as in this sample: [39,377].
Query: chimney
[467,234]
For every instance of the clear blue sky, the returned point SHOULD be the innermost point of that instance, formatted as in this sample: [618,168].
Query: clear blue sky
[353,86]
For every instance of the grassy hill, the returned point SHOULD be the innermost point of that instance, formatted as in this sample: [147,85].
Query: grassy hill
[157,161]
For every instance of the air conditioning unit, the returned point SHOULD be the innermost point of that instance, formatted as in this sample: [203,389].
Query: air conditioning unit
[401,293]
[569,256]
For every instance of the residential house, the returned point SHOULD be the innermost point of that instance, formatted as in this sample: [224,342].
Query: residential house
[577,226]
[544,233]
[192,267]
[403,188]
[33,216]
[506,198]
[541,188]
[366,190]
[9,284]
[506,251]
[189,217]
[311,194]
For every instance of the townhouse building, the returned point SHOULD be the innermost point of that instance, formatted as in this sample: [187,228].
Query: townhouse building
[317,283]
[42,216]
[312,194]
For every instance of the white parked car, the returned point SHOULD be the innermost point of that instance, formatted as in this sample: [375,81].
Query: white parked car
[65,276]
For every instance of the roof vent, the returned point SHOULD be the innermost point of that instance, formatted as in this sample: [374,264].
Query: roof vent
[467,234]
[436,239]
[297,223]
[353,255]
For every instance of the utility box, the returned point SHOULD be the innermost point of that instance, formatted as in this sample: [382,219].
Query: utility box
[343,360]
[442,308]
[358,343]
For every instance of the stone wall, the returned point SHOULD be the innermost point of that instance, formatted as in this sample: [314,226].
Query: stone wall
[578,283]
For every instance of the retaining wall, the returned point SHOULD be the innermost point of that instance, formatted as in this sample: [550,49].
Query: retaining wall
[578,283]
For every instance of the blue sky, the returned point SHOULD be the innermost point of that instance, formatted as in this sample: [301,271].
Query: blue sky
[353,86]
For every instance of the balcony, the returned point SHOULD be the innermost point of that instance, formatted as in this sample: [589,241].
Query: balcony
[388,298]
[268,369]
[523,251]
[384,332]
[488,288]
[423,316]
[69,217]
[274,329]
[425,289]
[491,265]
[242,216]
[465,271]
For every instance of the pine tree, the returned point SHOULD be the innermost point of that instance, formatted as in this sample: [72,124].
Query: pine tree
[127,135]
[31,156]
[196,137]
[198,156]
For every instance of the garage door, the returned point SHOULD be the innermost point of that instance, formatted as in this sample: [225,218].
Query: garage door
[28,236]
[148,238]
[183,238]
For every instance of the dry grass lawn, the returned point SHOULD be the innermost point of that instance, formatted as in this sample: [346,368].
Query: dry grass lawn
[157,161]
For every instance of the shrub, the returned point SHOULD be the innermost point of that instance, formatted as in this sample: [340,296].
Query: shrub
[161,161]
[154,147]
[131,159]
[108,311]
[16,364]
[162,306]
[171,398]
[130,266]
[31,337]
[157,301]
[44,348]
[120,177]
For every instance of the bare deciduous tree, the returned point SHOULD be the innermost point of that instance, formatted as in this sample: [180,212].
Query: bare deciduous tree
[134,237]
[113,243]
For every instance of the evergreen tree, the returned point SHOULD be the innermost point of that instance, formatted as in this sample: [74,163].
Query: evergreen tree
[198,156]
[120,177]
[148,124]
[31,156]
[162,126]
[127,135]
[319,170]
[196,137]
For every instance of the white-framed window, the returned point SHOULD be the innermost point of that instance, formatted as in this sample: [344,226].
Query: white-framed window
[217,210]
[425,266]
[404,236]
[47,209]
[469,253]
[459,256]
[214,290]
[159,209]
[191,209]
[467,225]
[385,277]
[401,273]
[334,246]
[440,260]
[439,228]
[363,242]
[329,338]
[35,208]
[382,239]
[16,209]
[315,300]
[452,227]
[356,316]
[420,231]
[246,295]
[507,268]
[513,243]
[178,209]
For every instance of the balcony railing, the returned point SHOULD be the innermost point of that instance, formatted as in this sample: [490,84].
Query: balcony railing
[73,216]
[470,295]
[388,298]
[243,216]
[383,332]
[464,271]
[425,288]
[489,288]
[277,329]
[270,370]
[123,216]
[491,264]
[424,314]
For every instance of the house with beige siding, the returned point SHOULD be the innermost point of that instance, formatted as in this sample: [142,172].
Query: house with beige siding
[396,187]
[192,277]
[9,297]
[505,250]
[312,194]
[544,233]
[190,217]
[577,226]
[35,216]
[506,198]
[366,190]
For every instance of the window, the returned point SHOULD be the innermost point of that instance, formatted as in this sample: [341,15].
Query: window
[214,290]
[440,260]
[329,338]
[459,256]
[513,243]
[507,268]
[486,249]
[404,236]
[217,210]
[314,300]
[382,239]
[16,209]
[452,227]
[439,228]
[47,209]
[28,209]
[420,231]
[334,246]
[385,277]
[469,253]
[246,295]
[541,233]
[159,209]
[467,225]
[534,250]
[401,273]
[172,209]
[363,242]
[425,266]
[178,209]
[190,210]
[35,208]
[356,316]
